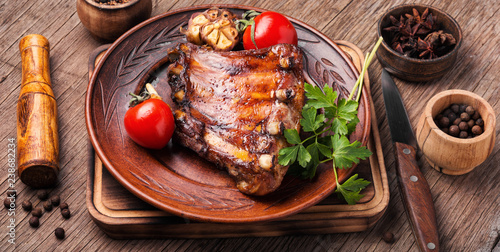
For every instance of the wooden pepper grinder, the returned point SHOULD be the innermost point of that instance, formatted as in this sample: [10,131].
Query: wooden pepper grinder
[37,137]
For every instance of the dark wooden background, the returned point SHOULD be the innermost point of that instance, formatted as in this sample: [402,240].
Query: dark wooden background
[467,206]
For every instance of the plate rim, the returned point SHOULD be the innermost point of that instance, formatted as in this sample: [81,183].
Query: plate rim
[151,200]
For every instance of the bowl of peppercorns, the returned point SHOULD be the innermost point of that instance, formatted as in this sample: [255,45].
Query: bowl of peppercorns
[106,20]
[456,132]
[421,42]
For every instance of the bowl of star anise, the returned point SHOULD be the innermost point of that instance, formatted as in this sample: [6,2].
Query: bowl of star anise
[421,42]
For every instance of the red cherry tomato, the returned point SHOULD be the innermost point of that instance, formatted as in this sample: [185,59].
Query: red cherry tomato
[271,28]
[150,123]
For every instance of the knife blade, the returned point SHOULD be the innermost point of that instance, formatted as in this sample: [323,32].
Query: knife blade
[415,190]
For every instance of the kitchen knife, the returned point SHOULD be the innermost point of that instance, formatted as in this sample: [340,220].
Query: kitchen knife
[416,193]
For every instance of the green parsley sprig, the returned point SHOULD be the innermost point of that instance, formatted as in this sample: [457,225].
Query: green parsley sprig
[327,140]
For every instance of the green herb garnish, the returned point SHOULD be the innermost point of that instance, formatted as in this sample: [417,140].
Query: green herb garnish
[328,136]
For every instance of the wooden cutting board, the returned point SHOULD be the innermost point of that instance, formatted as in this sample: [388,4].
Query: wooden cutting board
[121,215]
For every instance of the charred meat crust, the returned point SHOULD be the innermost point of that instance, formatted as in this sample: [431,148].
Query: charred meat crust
[232,108]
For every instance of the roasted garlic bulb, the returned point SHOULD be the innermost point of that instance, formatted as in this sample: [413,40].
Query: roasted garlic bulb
[214,27]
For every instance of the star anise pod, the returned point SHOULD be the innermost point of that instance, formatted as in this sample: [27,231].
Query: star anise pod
[410,47]
[441,42]
[441,38]
[426,49]
[398,25]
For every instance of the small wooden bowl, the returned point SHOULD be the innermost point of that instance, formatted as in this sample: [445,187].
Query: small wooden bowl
[108,22]
[412,69]
[452,155]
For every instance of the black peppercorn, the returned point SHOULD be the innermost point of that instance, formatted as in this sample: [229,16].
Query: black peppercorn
[55,200]
[37,212]
[27,206]
[463,126]
[6,203]
[465,117]
[444,122]
[47,205]
[455,108]
[43,195]
[388,237]
[452,116]
[12,193]
[471,123]
[34,221]
[462,108]
[446,112]
[454,130]
[457,121]
[445,130]
[480,122]
[59,232]
[463,134]
[477,130]
[470,110]
[66,213]
[476,115]
[63,205]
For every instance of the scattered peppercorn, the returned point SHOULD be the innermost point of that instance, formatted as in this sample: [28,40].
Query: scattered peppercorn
[55,200]
[43,195]
[66,213]
[37,212]
[388,237]
[63,205]
[34,221]
[47,205]
[27,206]
[12,193]
[6,203]
[59,232]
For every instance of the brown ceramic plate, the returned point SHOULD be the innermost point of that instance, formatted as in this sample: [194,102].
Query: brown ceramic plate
[175,179]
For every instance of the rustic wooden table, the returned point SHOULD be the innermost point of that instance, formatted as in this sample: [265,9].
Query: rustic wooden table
[467,206]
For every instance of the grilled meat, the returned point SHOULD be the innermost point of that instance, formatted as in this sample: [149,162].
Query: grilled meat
[233,107]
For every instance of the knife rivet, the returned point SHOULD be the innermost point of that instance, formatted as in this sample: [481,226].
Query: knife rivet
[414,178]
[406,151]
[431,245]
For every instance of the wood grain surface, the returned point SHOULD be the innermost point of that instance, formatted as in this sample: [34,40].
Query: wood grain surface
[467,206]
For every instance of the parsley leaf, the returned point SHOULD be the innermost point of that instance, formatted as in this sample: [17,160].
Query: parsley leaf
[346,153]
[351,188]
[328,136]
[288,155]
[318,99]
[292,136]
[310,121]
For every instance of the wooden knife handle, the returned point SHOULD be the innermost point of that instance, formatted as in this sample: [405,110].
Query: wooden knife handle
[417,198]
[37,134]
